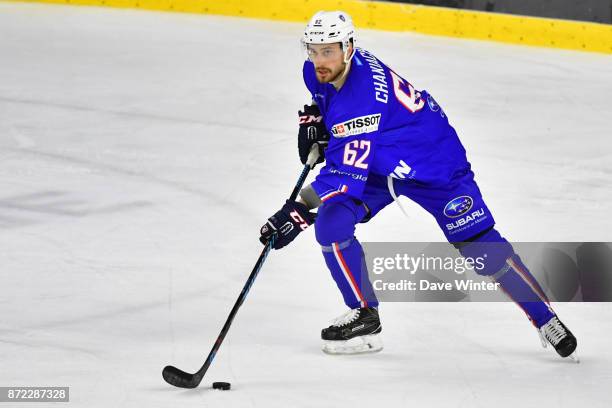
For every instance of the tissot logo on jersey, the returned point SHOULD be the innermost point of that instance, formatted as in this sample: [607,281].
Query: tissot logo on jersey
[356,126]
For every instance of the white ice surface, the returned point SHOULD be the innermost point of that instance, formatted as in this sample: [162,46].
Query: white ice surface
[141,151]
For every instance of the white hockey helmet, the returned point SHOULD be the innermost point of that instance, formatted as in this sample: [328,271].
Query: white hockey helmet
[327,27]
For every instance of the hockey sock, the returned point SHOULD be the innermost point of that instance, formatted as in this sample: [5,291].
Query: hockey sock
[502,265]
[346,262]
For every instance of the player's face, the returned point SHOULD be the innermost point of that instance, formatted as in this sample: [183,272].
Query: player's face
[328,60]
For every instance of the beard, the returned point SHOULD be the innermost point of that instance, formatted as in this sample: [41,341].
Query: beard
[325,75]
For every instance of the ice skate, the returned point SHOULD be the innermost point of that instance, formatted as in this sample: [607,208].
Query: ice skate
[355,332]
[556,333]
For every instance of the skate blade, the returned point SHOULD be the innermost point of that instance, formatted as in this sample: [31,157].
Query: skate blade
[574,357]
[371,343]
[543,341]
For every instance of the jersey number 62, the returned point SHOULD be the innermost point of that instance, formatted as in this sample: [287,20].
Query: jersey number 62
[355,153]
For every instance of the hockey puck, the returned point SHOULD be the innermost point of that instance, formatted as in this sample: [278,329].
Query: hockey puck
[222,386]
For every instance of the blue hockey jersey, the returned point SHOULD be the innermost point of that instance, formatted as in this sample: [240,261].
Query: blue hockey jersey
[380,124]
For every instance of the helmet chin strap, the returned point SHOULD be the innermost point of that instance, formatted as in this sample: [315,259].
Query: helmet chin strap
[345,47]
[347,60]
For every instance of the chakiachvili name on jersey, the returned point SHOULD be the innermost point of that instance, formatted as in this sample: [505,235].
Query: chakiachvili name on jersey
[428,286]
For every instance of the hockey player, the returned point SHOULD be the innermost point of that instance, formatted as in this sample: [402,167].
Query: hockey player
[384,138]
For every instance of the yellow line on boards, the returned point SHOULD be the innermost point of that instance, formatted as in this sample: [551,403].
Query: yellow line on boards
[544,32]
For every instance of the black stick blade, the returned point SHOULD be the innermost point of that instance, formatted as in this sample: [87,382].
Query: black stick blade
[179,378]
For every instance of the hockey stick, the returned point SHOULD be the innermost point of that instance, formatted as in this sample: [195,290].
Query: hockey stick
[180,378]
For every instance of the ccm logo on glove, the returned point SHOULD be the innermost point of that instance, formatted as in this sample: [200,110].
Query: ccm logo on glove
[286,223]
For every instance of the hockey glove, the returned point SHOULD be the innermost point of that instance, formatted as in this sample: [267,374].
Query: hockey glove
[287,223]
[312,130]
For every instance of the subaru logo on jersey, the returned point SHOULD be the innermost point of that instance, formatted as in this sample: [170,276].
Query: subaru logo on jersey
[356,126]
[458,206]
[467,221]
